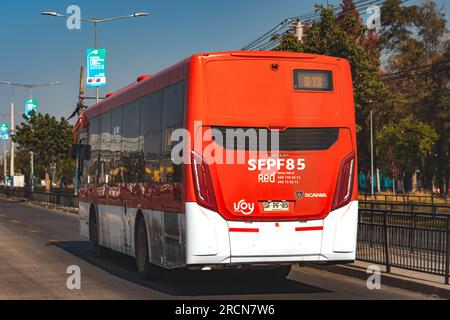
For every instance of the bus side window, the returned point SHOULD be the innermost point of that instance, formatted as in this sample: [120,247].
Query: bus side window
[82,161]
[94,141]
[173,99]
[105,148]
[116,145]
[130,142]
[151,132]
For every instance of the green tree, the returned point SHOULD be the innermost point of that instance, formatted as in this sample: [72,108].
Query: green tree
[412,84]
[396,22]
[48,138]
[415,42]
[399,145]
[346,37]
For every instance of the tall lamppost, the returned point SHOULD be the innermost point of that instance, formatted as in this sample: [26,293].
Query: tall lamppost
[372,187]
[4,161]
[30,87]
[95,22]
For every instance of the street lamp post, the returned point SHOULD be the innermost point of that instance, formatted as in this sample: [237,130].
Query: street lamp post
[372,156]
[4,161]
[95,22]
[4,157]
[12,174]
[30,87]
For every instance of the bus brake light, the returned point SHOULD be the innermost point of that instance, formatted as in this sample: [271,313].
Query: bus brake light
[344,186]
[202,181]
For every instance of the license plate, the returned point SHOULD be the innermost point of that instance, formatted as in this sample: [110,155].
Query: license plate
[276,206]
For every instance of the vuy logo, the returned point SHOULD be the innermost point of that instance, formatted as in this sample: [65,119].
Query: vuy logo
[244,207]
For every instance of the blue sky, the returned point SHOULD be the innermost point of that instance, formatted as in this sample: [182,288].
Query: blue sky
[41,49]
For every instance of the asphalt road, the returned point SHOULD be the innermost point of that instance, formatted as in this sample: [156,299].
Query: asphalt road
[37,246]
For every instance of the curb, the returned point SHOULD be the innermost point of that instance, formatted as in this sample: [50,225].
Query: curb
[53,207]
[396,281]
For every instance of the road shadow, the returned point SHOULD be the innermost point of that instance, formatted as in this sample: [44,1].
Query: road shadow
[190,283]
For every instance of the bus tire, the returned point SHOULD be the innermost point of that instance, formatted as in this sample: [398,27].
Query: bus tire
[94,235]
[145,269]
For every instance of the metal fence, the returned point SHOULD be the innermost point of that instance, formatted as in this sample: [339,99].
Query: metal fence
[417,241]
[406,198]
[60,197]
[411,207]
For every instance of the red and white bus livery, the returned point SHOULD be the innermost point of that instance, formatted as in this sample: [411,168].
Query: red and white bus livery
[295,203]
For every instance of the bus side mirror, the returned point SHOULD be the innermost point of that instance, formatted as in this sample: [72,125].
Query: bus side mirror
[74,152]
[81,151]
[85,152]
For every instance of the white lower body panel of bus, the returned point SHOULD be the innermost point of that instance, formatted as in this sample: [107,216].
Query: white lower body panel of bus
[201,237]
[213,240]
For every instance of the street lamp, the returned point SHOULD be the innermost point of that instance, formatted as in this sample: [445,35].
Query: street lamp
[30,87]
[96,21]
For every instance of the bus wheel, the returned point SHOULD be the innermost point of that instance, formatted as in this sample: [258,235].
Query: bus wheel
[145,269]
[94,235]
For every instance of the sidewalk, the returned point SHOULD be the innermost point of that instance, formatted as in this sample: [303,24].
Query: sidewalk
[399,278]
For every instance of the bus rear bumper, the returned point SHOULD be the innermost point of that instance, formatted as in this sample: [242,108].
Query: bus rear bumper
[211,240]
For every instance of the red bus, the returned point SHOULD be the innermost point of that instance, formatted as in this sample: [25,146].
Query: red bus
[296,203]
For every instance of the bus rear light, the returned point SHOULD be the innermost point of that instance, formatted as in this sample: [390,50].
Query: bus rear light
[202,182]
[344,187]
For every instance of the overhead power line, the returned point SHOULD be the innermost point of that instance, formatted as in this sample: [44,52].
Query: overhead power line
[272,37]
[424,70]
[418,68]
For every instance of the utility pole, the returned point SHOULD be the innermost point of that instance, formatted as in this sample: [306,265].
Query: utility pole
[96,47]
[298,26]
[32,170]
[5,164]
[31,153]
[12,146]
[378,180]
[371,154]
[80,108]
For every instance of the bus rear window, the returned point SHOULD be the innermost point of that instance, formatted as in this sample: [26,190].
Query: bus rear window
[316,80]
